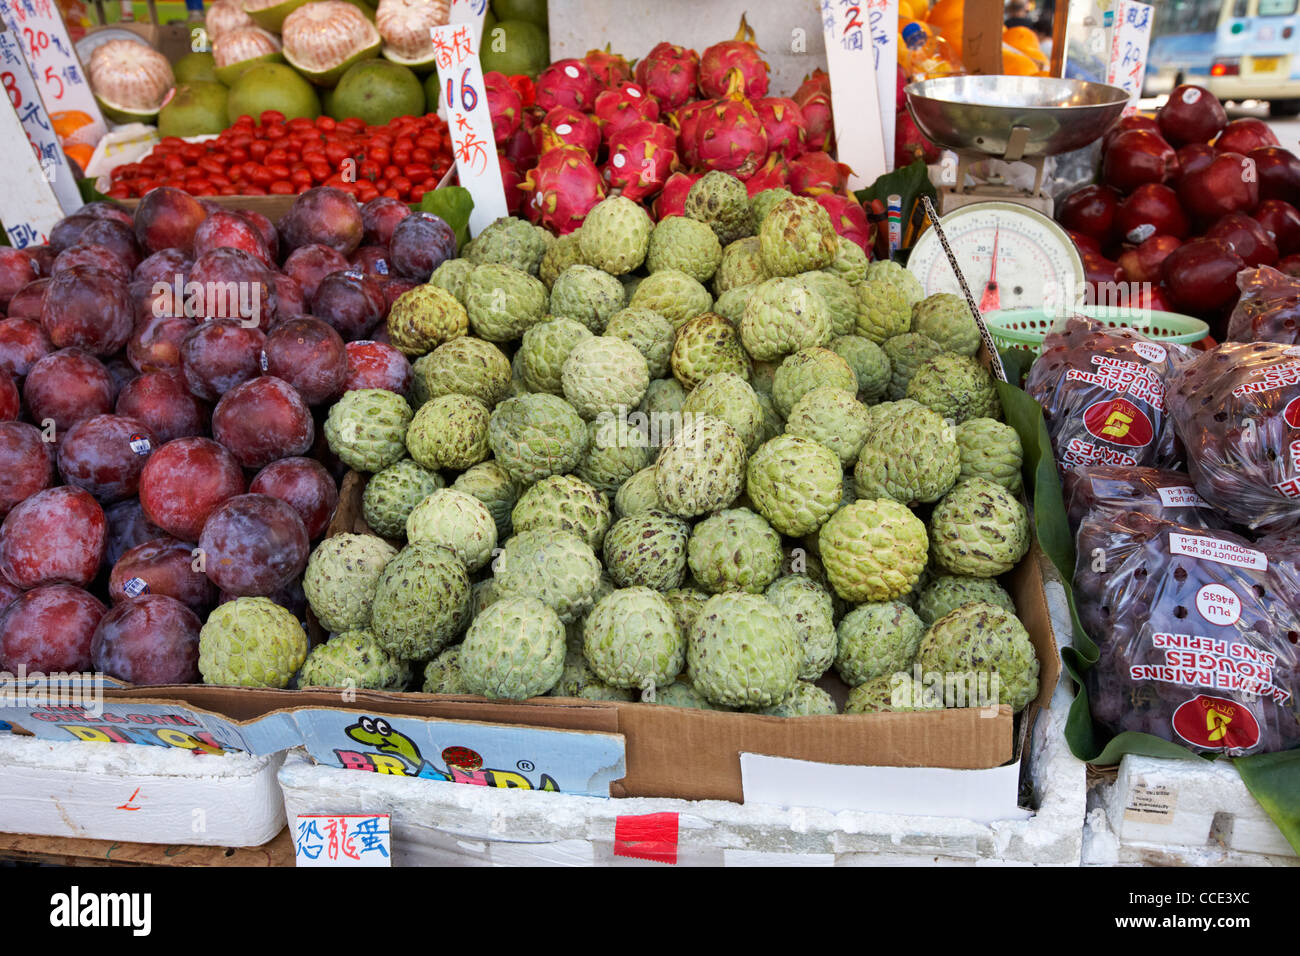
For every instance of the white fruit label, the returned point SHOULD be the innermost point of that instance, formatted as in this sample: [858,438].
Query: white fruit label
[859,41]
[1218,605]
[264,362]
[140,445]
[564,129]
[1140,234]
[135,587]
[1220,552]
[571,72]
[1150,351]
[1129,40]
[381,266]
[1191,96]
[1181,496]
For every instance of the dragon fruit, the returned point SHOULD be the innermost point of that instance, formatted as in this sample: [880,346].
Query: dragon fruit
[510,180]
[522,149]
[572,127]
[504,104]
[563,187]
[773,174]
[783,122]
[814,98]
[900,98]
[609,69]
[729,136]
[740,53]
[671,201]
[686,120]
[622,105]
[669,74]
[910,143]
[641,158]
[567,83]
[815,173]
[848,217]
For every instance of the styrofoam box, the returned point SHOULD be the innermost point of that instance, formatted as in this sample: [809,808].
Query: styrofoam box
[1180,812]
[137,793]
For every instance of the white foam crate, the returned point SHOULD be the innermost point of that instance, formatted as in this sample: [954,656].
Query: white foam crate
[138,794]
[1179,813]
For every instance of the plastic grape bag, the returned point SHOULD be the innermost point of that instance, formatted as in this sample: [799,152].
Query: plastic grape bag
[1197,632]
[1237,411]
[1269,307]
[1103,395]
[1115,489]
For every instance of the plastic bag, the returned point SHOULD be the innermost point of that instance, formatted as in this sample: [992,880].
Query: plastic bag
[1103,395]
[1115,489]
[1197,632]
[1237,411]
[1269,307]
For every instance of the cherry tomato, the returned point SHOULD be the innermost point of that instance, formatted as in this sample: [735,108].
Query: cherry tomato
[368,169]
[210,164]
[325,123]
[119,191]
[282,187]
[270,116]
[258,149]
[278,170]
[337,152]
[193,152]
[274,132]
[429,141]
[353,123]
[421,155]
[402,184]
[228,191]
[320,171]
[174,163]
[301,178]
[379,153]
[277,156]
[417,172]
[261,176]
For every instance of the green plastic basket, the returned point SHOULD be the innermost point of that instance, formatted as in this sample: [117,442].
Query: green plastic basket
[1026,328]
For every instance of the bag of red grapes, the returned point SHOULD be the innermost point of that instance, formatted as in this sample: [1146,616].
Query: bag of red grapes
[1269,307]
[1116,489]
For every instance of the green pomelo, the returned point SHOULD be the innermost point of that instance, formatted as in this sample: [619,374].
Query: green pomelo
[515,47]
[432,93]
[195,67]
[378,92]
[124,114]
[272,86]
[231,72]
[533,11]
[194,109]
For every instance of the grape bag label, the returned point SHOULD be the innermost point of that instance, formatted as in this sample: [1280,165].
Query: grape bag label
[1181,497]
[1216,724]
[1220,552]
[1119,422]
[1149,350]
[1218,605]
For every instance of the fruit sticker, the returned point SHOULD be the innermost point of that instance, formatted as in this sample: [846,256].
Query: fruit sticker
[1119,422]
[1214,723]
[1218,605]
[1292,412]
[1149,350]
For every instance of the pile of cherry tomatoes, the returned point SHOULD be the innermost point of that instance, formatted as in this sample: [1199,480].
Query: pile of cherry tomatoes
[404,159]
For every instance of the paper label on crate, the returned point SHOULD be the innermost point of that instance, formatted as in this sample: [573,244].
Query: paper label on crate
[1130,38]
[1151,804]
[1181,497]
[855,100]
[342,839]
[26,99]
[65,89]
[469,122]
[1220,552]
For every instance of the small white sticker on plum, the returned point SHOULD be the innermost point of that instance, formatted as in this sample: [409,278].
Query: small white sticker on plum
[135,587]
[140,445]
[1218,605]
[265,363]
[1141,233]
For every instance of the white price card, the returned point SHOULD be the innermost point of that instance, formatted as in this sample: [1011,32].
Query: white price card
[1130,38]
[26,99]
[342,839]
[854,97]
[470,11]
[882,19]
[455,52]
[29,207]
[64,86]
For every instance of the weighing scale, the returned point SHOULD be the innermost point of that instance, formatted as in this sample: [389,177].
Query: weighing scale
[1013,118]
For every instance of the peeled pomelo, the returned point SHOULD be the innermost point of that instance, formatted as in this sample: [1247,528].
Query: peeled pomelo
[199,66]
[194,109]
[271,86]
[224,16]
[378,92]
[405,27]
[321,40]
[270,14]
[130,80]
[515,47]
[236,51]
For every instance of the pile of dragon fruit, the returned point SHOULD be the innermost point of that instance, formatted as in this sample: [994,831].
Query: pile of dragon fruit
[594,127]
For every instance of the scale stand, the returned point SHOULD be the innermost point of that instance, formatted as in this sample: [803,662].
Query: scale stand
[954,197]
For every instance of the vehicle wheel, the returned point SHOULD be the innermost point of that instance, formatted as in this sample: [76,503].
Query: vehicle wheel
[1281,108]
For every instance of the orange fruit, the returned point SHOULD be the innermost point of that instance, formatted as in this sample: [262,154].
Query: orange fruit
[1015,63]
[68,122]
[946,17]
[80,153]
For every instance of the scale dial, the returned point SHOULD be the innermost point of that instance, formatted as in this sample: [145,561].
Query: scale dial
[1036,267]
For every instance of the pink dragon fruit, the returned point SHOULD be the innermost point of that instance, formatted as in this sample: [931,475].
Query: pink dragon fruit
[900,98]
[572,127]
[671,201]
[641,158]
[567,83]
[623,105]
[729,135]
[740,53]
[563,187]
[510,180]
[783,122]
[504,104]
[910,143]
[773,174]
[522,148]
[814,98]
[669,74]
[848,217]
[609,69]
[686,120]
[815,173]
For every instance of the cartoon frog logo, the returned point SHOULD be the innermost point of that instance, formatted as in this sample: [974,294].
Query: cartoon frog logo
[378,733]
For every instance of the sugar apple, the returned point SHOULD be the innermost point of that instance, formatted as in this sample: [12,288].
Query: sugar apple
[392,493]
[587,295]
[956,387]
[979,529]
[639,493]
[742,652]
[910,455]
[782,317]
[543,351]
[706,345]
[565,251]
[463,366]
[251,642]
[734,550]
[442,674]
[630,639]
[458,521]
[604,374]
[341,577]
[883,311]
[701,469]
[647,549]
[533,436]
[795,483]
[731,304]
[556,567]
[887,270]
[721,200]
[510,242]
[841,301]
[421,602]
[741,265]
[907,353]
[728,397]
[832,417]
[686,604]
[650,332]
[850,263]
[491,484]
[897,693]
[514,650]
[873,550]
[765,200]
[875,640]
[869,362]
[797,236]
[806,700]
[992,450]
[684,244]
[983,639]
[948,592]
[674,295]
[367,427]
[681,693]
[809,609]
[353,659]
[616,451]
[616,235]
[947,319]
[808,369]
[422,318]
[450,431]
[503,302]
[451,275]
[564,503]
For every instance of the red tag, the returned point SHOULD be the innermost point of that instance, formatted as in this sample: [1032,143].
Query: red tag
[651,836]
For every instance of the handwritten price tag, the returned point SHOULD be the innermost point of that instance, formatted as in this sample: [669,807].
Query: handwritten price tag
[342,839]
[26,100]
[1130,38]
[882,18]
[29,207]
[39,28]
[855,100]
[469,122]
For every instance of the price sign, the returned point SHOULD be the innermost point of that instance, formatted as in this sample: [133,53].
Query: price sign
[65,90]
[472,12]
[469,122]
[1130,38]
[29,207]
[855,99]
[342,839]
[26,101]
[882,19]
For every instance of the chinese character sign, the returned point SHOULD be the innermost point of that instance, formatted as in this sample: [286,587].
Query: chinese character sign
[347,839]
[851,54]
[882,21]
[39,30]
[29,206]
[20,85]
[1130,37]
[469,122]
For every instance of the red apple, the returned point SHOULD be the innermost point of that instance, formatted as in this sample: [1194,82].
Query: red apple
[1192,115]
[1243,135]
[1084,243]
[1246,237]
[1142,264]
[1194,156]
[1201,276]
[1126,123]
[1152,209]
[1228,184]
[1138,156]
[1282,220]
[1290,265]
[1279,174]
[1091,211]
